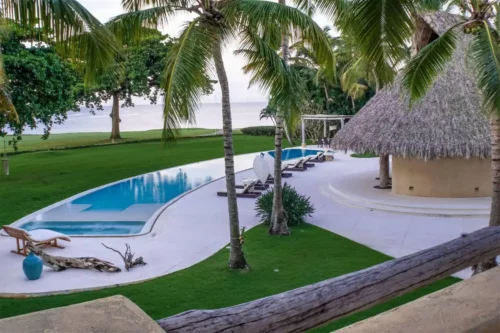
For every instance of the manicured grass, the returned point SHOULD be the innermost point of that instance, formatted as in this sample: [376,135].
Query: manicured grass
[39,179]
[365,155]
[309,255]
[34,142]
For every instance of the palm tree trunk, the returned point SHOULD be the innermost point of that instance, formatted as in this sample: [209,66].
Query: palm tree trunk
[495,178]
[384,171]
[279,223]
[115,117]
[236,256]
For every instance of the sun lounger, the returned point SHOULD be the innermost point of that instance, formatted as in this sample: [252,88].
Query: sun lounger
[319,158]
[270,178]
[248,191]
[259,186]
[297,166]
[300,165]
[309,159]
[40,238]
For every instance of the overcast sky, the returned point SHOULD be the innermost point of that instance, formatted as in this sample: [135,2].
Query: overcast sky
[238,82]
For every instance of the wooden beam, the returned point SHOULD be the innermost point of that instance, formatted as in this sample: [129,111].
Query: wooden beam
[314,305]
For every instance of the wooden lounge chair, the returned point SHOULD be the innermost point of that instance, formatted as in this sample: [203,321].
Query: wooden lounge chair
[307,160]
[300,165]
[270,178]
[248,191]
[40,238]
[259,186]
[319,158]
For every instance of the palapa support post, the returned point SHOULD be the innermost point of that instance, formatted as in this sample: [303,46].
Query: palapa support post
[303,133]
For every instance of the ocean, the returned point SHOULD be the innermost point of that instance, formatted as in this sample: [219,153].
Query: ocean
[147,117]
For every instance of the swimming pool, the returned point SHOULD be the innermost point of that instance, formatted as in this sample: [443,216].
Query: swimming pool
[294,153]
[129,207]
[88,228]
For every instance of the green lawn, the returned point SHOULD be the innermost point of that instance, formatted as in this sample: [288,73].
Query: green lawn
[34,142]
[309,255]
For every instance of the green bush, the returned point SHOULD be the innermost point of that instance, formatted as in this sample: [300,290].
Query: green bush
[259,130]
[365,155]
[296,206]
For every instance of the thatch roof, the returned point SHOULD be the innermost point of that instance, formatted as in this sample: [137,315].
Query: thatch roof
[447,122]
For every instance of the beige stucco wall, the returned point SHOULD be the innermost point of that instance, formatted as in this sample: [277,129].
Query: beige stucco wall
[444,178]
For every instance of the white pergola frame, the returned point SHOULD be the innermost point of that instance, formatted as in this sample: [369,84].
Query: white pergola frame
[323,117]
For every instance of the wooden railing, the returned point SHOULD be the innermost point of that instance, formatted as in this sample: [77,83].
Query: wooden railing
[314,305]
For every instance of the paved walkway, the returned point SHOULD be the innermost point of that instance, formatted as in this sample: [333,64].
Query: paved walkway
[196,226]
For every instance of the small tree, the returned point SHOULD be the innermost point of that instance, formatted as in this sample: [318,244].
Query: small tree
[139,74]
[41,85]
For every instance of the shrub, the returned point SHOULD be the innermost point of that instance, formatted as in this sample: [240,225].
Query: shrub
[259,130]
[296,206]
[365,155]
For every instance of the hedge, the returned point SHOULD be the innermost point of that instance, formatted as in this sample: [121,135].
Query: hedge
[259,130]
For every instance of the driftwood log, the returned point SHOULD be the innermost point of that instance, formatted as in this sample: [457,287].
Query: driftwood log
[62,263]
[314,305]
[128,257]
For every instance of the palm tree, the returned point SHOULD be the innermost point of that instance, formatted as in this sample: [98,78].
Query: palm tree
[286,116]
[199,50]
[268,113]
[378,39]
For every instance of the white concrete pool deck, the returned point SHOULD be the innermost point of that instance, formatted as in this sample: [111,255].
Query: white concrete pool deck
[196,226]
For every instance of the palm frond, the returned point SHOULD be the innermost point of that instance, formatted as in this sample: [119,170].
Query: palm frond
[74,30]
[353,73]
[333,9]
[135,5]
[185,74]
[264,16]
[485,52]
[307,6]
[272,74]
[379,29]
[131,26]
[422,70]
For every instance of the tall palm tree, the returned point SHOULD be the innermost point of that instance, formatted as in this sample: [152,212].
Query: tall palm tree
[287,115]
[381,27]
[199,50]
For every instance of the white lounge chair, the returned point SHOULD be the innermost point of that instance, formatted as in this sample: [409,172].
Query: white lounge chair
[39,237]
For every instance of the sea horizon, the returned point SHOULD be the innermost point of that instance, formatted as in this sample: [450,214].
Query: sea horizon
[143,117]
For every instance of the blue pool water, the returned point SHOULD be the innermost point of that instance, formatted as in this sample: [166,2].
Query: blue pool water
[152,188]
[88,228]
[291,154]
[125,207]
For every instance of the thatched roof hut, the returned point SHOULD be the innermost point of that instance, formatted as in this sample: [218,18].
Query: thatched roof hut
[441,146]
[447,122]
